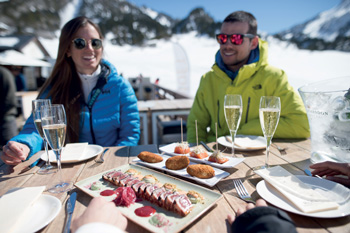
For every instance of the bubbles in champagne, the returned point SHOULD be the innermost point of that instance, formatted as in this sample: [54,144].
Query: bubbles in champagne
[55,135]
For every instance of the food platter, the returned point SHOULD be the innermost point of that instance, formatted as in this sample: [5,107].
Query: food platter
[177,223]
[169,149]
[219,174]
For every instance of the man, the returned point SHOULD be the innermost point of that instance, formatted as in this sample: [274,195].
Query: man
[8,111]
[241,67]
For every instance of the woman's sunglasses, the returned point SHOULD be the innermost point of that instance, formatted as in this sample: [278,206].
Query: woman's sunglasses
[80,43]
[236,39]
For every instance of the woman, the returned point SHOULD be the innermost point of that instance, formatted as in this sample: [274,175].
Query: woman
[101,106]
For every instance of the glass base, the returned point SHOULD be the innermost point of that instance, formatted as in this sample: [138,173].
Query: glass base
[47,169]
[61,187]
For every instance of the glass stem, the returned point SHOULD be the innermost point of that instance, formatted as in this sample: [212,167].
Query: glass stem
[58,159]
[268,139]
[47,153]
[233,134]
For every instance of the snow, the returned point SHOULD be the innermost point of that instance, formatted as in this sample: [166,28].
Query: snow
[158,60]
[9,41]
[328,23]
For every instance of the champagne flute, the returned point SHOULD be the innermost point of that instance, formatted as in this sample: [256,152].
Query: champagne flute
[269,114]
[36,104]
[233,113]
[54,123]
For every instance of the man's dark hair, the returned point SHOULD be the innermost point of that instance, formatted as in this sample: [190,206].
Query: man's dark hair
[242,16]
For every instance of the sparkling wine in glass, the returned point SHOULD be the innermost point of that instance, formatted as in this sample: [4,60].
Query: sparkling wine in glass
[54,123]
[233,114]
[269,114]
[36,106]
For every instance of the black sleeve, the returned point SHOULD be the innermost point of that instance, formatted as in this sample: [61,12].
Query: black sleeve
[263,219]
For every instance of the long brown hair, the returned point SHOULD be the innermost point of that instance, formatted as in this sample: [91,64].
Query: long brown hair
[64,82]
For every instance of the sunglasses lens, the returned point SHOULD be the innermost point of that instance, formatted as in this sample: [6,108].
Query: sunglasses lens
[221,38]
[96,43]
[79,43]
[237,39]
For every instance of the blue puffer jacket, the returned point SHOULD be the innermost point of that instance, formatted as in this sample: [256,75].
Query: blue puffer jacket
[115,117]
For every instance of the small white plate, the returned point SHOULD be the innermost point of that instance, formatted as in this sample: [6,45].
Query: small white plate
[329,189]
[219,174]
[169,149]
[41,213]
[89,152]
[246,142]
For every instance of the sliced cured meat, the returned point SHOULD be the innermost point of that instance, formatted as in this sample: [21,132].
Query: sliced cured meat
[155,195]
[116,180]
[149,190]
[136,187]
[169,201]
[182,205]
[162,197]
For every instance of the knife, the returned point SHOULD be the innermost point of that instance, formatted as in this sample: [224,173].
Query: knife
[69,209]
[307,171]
[26,165]
[206,147]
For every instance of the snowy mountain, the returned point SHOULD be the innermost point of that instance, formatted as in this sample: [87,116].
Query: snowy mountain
[125,23]
[328,30]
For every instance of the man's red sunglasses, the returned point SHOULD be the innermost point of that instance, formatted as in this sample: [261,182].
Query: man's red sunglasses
[236,39]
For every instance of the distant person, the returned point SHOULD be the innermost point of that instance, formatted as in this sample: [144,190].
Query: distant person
[100,105]
[8,106]
[332,170]
[241,67]
[21,83]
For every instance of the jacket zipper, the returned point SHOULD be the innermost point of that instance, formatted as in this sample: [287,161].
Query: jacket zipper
[219,114]
[91,127]
[246,115]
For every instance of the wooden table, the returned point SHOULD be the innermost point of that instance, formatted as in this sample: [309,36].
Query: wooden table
[214,220]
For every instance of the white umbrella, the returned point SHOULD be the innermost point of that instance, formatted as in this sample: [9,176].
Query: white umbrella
[15,58]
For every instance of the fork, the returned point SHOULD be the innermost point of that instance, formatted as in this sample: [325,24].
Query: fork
[280,149]
[100,159]
[242,191]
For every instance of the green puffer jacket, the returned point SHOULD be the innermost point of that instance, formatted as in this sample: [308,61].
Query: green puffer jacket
[253,81]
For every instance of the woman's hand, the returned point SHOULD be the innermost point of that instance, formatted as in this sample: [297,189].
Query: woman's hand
[331,169]
[14,153]
[99,210]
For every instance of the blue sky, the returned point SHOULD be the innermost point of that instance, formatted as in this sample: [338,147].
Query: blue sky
[272,15]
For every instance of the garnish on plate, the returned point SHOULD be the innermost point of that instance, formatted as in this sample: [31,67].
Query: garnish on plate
[199,153]
[195,197]
[217,157]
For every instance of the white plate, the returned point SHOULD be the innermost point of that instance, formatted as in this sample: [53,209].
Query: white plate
[247,142]
[169,149]
[89,152]
[41,213]
[219,174]
[329,189]
[177,223]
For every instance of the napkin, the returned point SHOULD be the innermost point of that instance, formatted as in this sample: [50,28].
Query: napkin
[74,151]
[15,203]
[301,195]
[249,142]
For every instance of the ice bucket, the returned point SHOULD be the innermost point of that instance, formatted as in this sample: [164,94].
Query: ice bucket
[327,105]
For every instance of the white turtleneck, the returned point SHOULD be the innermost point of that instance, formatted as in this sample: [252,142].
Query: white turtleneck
[89,81]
